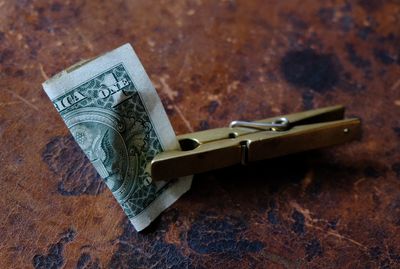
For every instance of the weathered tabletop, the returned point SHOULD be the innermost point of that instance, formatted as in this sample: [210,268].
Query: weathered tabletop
[211,62]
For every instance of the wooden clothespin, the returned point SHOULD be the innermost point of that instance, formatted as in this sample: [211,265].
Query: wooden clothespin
[244,142]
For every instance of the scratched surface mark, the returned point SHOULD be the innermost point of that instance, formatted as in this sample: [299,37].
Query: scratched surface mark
[211,62]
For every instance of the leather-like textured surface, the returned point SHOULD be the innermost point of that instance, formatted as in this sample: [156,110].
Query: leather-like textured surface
[211,62]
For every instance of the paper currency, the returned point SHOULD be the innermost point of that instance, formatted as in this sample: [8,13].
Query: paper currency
[116,117]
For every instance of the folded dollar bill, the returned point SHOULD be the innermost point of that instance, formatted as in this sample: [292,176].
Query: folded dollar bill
[116,117]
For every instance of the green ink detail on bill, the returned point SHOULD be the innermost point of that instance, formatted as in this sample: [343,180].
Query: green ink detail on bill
[110,123]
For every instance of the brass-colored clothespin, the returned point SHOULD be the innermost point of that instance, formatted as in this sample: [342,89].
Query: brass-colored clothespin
[245,142]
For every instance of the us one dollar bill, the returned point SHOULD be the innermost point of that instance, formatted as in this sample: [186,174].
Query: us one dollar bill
[115,115]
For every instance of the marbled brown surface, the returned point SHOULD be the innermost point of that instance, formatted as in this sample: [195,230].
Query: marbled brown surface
[211,62]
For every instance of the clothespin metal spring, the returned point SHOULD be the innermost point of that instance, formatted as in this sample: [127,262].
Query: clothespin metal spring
[280,124]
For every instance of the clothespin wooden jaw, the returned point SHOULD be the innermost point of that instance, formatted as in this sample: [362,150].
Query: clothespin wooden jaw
[245,142]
